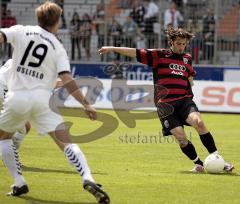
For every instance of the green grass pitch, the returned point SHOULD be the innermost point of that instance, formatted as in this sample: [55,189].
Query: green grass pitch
[135,166]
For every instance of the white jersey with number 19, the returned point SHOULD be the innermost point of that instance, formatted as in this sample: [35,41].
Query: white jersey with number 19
[38,58]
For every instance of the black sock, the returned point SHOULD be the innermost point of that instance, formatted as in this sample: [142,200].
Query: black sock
[198,161]
[208,142]
[191,153]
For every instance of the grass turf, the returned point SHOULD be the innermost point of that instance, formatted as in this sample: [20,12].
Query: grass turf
[135,166]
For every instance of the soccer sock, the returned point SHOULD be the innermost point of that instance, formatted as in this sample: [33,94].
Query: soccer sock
[18,138]
[11,160]
[191,153]
[208,142]
[76,158]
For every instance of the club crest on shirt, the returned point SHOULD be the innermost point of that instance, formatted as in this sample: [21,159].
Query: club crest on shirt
[185,60]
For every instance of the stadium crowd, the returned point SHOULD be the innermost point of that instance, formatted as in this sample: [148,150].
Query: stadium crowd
[143,26]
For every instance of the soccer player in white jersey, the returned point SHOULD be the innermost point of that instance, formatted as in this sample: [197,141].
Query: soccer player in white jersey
[38,59]
[22,132]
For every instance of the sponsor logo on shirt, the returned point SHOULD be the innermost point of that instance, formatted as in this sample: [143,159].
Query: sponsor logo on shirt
[177,69]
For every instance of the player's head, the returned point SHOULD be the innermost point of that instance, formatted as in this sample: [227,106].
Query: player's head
[48,15]
[178,39]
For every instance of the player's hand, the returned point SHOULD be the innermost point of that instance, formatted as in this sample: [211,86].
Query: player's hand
[105,50]
[58,84]
[91,112]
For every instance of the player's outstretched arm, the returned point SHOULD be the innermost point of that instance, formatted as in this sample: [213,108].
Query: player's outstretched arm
[127,51]
[71,86]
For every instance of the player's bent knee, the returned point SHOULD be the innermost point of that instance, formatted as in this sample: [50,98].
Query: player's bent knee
[200,125]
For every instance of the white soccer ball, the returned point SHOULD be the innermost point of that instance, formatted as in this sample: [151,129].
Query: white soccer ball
[214,163]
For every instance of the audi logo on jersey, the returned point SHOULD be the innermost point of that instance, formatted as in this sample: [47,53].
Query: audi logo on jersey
[177,67]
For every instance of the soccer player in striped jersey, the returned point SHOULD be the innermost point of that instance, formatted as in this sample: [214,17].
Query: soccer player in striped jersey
[173,77]
[38,60]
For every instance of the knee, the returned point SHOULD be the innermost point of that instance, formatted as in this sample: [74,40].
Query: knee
[199,125]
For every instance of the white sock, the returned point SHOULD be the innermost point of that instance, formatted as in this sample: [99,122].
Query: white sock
[18,139]
[11,160]
[76,158]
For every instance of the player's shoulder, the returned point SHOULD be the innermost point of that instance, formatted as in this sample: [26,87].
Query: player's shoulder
[165,51]
[24,29]
[188,56]
[15,28]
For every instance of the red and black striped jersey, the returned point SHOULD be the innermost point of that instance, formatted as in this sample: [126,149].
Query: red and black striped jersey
[170,73]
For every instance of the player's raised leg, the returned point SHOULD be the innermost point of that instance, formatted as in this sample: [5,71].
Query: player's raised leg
[195,120]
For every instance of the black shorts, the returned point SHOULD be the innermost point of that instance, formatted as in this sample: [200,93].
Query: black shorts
[174,114]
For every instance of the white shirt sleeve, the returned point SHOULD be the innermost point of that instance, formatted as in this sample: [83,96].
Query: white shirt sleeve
[63,64]
[12,33]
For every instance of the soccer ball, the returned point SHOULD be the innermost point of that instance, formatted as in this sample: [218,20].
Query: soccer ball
[214,163]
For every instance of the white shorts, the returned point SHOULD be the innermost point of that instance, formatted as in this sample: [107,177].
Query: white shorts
[31,105]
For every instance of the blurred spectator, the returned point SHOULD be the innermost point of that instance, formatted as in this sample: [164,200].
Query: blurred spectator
[86,32]
[115,34]
[125,4]
[150,17]
[61,4]
[172,17]
[181,4]
[130,31]
[137,12]
[8,20]
[196,43]
[208,35]
[74,29]
[3,12]
[99,23]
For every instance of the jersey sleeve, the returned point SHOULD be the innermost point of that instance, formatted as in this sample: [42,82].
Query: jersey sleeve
[12,34]
[148,57]
[63,64]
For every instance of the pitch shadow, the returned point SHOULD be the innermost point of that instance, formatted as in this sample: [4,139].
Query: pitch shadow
[42,170]
[204,173]
[32,200]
